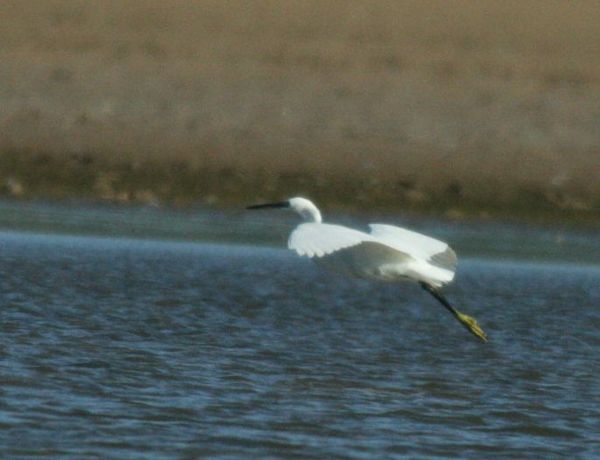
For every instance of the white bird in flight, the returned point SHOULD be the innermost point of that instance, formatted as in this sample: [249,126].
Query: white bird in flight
[387,253]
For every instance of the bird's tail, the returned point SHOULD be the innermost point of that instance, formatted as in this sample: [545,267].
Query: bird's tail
[467,321]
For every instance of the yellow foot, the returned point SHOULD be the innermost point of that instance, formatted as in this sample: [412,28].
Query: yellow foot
[472,325]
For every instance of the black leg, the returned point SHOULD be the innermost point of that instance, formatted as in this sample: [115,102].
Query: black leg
[466,320]
[439,296]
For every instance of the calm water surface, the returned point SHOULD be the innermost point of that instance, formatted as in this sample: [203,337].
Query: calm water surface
[139,348]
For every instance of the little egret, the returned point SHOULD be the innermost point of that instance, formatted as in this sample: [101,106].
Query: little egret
[387,253]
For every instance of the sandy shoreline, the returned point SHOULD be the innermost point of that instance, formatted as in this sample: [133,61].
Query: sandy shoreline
[486,110]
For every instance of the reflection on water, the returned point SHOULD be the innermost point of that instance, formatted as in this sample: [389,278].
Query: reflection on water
[129,348]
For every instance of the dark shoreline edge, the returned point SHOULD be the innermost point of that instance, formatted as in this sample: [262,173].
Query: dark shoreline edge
[28,176]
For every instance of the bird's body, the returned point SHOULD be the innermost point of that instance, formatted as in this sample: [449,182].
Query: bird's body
[386,253]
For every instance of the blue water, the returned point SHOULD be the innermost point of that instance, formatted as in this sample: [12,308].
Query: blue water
[142,348]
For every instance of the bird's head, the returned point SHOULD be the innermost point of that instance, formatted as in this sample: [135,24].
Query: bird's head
[302,206]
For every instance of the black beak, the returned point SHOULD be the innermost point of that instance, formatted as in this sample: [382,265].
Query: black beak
[281,204]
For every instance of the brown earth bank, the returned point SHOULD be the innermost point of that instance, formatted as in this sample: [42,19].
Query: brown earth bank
[464,108]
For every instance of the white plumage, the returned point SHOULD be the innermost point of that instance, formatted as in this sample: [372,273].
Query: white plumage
[387,253]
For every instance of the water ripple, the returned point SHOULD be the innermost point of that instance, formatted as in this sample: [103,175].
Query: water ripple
[129,349]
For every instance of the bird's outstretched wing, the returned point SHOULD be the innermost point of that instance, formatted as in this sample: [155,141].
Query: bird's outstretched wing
[417,245]
[349,251]
[318,240]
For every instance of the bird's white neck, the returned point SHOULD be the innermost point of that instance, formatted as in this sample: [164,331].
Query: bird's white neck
[306,209]
[311,215]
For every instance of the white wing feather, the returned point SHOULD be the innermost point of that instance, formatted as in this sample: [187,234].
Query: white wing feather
[436,259]
[349,251]
[317,240]
[408,241]
[387,253]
